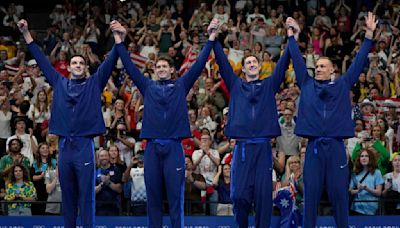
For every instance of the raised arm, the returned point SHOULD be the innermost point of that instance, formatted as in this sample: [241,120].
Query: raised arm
[225,68]
[49,72]
[299,65]
[105,69]
[278,76]
[138,78]
[195,70]
[360,60]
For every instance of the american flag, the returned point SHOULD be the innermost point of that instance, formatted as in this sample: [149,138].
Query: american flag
[189,60]
[138,60]
[12,69]
[380,101]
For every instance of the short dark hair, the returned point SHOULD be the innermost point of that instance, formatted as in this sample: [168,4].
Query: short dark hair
[24,106]
[251,55]
[21,144]
[327,58]
[166,59]
[19,119]
[77,55]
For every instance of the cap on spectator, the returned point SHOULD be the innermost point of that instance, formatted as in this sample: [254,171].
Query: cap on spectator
[58,6]
[205,23]
[367,102]
[141,107]
[389,103]
[32,62]
[73,17]
[225,110]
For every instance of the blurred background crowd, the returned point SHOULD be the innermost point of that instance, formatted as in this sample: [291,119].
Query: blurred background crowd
[28,166]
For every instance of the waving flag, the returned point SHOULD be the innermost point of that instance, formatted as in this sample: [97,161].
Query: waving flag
[290,215]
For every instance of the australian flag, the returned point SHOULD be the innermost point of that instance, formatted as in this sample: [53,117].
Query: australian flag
[290,214]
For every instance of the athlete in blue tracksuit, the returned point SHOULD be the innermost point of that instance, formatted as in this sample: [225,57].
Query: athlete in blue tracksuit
[324,117]
[165,123]
[76,117]
[252,121]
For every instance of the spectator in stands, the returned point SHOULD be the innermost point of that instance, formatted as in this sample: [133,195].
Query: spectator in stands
[378,142]
[39,113]
[53,190]
[20,188]
[366,183]
[20,111]
[273,42]
[59,60]
[92,34]
[221,11]
[40,167]
[222,184]
[115,157]
[135,174]
[194,185]
[120,115]
[267,66]
[294,175]
[5,120]
[29,140]
[288,142]
[125,143]
[14,156]
[391,192]
[206,162]
[211,95]
[108,186]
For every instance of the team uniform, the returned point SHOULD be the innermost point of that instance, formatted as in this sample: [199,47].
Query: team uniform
[165,124]
[252,121]
[76,118]
[324,117]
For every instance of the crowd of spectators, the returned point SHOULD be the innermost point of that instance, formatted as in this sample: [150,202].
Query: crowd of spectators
[178,29]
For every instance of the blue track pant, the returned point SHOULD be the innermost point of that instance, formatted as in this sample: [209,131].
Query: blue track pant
[76,167]
[252,181]
[326,165]
[164,162]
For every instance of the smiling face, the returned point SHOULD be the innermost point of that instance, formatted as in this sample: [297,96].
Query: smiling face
[251,68]
[104,158]
[163,70]
[113,151]
[77,66]
[226,170]
[323,69]
[44,150]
